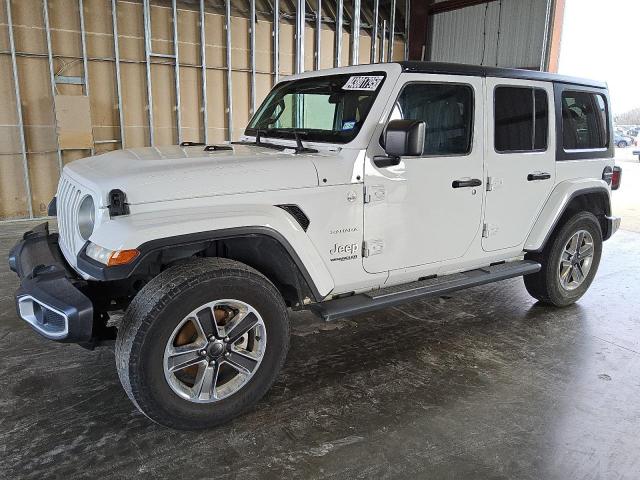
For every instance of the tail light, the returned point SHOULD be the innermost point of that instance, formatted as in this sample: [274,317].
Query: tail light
[613,176]
[616,178]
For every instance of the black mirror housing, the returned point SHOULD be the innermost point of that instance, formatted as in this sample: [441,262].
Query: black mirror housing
[404,138]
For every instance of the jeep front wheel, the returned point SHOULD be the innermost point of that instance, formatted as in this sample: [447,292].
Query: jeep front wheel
[201,343]
[569,262]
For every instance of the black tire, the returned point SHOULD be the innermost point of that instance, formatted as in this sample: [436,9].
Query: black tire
[545,285]
[156,311]
[622,144]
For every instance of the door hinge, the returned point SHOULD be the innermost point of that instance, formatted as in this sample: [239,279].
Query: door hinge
[489,230]
[493,183]
[374,193]
[372,247]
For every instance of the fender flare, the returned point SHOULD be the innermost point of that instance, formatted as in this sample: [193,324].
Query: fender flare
[556,205]
[270,221]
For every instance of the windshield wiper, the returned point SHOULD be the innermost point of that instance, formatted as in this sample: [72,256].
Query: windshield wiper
[258,141]
[300,148]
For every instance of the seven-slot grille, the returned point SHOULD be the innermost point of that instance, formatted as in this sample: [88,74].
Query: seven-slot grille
[68,200]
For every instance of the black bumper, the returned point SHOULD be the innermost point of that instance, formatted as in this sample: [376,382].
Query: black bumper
[48,298]
[611,226]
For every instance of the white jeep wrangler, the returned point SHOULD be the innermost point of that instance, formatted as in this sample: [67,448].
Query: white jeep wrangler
[351,190]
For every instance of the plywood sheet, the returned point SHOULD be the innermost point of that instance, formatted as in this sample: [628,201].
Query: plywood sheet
[13,196]
[4,28]
[44,173]
[8,112]
[9,140]
[74,128]
[103,96]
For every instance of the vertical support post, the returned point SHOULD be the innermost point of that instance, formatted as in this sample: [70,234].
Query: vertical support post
[339,17]
[407,16]
[374,32]
[553,55]
[116,50]
[392,27]
[83,38]
[85,62]
[300,24]
[83,41]
[203,63]
[16,86]
[176,77]
[276,40]
[252,47]
[548,25]
[383,46]
[47,28]
[147,56]
[227,18]
[355,33]
[318,33]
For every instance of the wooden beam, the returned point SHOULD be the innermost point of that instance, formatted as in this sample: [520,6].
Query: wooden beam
[418,27]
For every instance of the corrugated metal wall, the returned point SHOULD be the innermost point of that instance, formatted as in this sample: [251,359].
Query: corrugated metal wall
[505,33]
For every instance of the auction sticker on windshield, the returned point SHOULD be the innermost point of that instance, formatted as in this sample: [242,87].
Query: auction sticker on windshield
[363,83]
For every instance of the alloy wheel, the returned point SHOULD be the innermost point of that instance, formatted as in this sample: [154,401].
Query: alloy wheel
[214,351]
[575,260]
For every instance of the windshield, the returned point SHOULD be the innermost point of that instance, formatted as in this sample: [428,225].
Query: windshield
[323,109]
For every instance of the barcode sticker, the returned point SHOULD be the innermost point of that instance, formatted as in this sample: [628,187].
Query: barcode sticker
[363,83]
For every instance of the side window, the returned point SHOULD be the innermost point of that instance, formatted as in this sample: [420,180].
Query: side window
[521,119]
[584,121]
[446,109]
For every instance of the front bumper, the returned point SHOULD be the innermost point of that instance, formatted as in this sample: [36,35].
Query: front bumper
[48,298]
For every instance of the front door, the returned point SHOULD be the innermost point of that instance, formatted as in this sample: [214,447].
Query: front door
[519,159]
[427,209]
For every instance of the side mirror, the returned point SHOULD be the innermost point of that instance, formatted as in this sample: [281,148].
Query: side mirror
[404,138]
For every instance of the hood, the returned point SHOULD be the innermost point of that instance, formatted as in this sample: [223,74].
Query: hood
[171,173]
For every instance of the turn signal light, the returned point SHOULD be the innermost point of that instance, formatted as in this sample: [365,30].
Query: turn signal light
[111,258]
[122,257]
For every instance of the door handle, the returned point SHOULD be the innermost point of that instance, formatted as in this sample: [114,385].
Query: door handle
[538,176]
[474,182]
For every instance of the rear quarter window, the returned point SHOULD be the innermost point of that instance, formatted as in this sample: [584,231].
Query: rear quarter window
[584,121]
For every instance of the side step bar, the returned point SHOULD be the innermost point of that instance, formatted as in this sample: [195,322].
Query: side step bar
[387,297]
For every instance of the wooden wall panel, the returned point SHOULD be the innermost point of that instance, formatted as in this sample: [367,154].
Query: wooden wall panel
[37,101]
[43,174]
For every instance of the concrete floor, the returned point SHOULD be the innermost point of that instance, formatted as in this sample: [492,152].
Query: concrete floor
[481,384]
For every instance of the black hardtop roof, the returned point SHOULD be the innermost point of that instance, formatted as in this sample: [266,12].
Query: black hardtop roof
[484,71]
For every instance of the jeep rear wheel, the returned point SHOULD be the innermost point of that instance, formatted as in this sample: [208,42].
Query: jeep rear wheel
[569,262]
[201,343]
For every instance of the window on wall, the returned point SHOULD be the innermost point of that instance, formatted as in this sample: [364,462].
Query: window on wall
[446,109]
[521,119]
[584,121]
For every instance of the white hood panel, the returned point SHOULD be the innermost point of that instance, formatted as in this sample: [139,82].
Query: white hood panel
[169,173]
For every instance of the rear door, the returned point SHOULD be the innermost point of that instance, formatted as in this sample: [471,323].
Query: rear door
[519,158]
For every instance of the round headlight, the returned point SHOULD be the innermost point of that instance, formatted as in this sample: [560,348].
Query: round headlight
[86,217]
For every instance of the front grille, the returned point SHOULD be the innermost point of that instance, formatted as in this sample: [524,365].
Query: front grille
[68,200]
